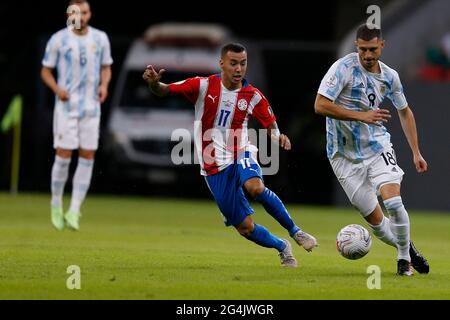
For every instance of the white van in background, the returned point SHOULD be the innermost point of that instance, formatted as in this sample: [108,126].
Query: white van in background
[138,139]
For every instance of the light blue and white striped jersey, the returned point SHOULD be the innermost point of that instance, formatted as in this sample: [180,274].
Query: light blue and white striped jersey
[351,86]
[78,61]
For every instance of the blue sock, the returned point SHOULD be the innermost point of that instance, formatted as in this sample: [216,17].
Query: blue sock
[276,209]
[263,237]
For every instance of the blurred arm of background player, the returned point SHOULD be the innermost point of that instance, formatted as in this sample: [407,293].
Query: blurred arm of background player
[49,79]
[105,78]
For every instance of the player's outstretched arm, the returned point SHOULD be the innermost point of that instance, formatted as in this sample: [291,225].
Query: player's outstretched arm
[276,136]
[153,79]
[409,128]
[328,108]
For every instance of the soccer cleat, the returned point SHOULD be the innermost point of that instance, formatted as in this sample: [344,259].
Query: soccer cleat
[418,261]
[307,241]
[57,217]
[286,256]
[72,220]
[404,268]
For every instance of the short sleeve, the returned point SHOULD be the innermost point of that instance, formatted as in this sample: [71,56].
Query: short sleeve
[334,81]
[106,51]
[188,88]
[397,95]
[263,112]
[51,53]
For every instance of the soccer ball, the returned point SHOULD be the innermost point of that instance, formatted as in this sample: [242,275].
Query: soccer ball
[353,241]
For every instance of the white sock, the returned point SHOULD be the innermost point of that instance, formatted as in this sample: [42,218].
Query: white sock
[384,233]
[60,172]
[399,225]
[81,182]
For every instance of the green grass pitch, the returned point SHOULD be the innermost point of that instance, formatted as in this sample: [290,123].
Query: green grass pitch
[147,248]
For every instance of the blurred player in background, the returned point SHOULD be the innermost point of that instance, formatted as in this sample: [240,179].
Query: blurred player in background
[82,58]
[223,104]
[359,146]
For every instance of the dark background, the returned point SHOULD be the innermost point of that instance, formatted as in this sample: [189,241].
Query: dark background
[298,42]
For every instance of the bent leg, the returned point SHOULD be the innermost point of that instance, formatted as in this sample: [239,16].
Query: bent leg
[271,203]
[259,235]
[362,195]
[381,226]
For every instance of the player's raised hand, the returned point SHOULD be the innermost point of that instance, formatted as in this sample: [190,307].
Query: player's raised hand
[285,143]
[420,163]
[151,76]
[376,117]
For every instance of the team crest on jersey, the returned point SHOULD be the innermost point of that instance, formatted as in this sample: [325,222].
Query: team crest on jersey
[242,104]
[382,90]
[332,81]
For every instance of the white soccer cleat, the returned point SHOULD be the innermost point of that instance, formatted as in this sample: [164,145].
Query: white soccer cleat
[72,220]
[305,240]
[57,217]
[286,256]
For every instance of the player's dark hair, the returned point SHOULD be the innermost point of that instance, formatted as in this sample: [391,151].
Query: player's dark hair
[233,47]
[72,2]
[367,34]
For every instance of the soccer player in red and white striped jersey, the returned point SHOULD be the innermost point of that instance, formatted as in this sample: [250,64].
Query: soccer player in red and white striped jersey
[223,105]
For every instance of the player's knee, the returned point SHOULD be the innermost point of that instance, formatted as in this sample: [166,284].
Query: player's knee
[246,228]
[63,153]
[255,188]
[367,204]
[87,154]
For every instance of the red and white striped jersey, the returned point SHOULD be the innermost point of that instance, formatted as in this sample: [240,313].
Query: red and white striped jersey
[221,118]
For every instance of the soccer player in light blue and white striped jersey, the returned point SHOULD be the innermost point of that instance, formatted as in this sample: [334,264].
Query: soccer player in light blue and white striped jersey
[82,58]
[359,146]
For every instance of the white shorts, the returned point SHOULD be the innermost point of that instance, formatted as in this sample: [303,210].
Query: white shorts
[73,132]
[363,180]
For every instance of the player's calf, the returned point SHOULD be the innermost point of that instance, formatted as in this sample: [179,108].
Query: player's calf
[399,224]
